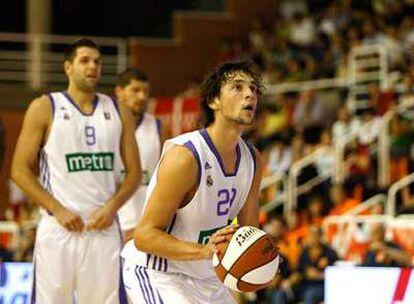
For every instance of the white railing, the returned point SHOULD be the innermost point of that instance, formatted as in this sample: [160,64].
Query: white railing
[392,193]
[367,63]
[384,142]
[281,196]
[368,204]
[340,146]
[37,58]
[347,225]
[294,190]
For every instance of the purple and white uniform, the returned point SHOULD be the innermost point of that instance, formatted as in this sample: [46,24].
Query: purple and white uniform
[147,135]
[79,165]
[217,201]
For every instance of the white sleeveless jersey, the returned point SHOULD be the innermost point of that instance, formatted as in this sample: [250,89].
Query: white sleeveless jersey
[217,201]
[147,135]
[80,162]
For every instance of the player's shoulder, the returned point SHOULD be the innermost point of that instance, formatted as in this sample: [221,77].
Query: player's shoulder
[41,104]
[182,157]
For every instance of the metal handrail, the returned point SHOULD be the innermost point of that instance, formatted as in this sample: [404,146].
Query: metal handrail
[34,63]
[279,200]
[392,192]
[367,204]
[294,171]
[384,142]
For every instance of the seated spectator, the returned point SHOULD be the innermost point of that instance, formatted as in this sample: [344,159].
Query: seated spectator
[344,125]
[341,200]
[5,254]
[315,257]
[382,253]
[280,157]
[370,127]
[280,291]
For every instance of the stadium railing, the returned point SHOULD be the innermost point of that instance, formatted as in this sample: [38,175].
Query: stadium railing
[36,59]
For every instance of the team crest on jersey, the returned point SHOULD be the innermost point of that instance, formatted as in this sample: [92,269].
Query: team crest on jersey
[207,166]
[107,115]
[209,181]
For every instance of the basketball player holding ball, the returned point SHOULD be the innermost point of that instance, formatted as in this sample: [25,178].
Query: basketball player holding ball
[203,180]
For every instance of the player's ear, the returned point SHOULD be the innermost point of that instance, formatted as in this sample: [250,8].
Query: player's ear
[67,67]
[118,92]
[214,104]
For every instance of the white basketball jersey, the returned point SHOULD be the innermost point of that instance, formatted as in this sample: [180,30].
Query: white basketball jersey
[147,135]
[217,201]
[80,162]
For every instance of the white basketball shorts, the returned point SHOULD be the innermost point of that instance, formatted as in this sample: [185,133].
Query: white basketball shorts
[147,286]
[83,266]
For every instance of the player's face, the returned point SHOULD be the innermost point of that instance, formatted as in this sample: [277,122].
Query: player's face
[135,96]
[85,70]
[238,100]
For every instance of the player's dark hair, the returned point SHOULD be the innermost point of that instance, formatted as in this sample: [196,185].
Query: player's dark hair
[125,77]
[70,52]
[214,81]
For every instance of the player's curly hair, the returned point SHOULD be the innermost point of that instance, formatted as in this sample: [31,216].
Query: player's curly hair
[213,82]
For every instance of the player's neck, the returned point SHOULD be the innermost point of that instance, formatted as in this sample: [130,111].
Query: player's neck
[81,98]
[224,139]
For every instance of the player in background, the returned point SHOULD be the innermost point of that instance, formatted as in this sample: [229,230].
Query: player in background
[203,181]
[67,159]
[133,90]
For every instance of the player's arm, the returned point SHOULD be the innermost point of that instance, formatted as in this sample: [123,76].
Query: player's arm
[249,214]
[24,169]
[177,176]
[103,217]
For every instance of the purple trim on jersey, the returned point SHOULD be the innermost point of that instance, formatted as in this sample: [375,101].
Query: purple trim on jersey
[44,172]
[52,103]
[251,149]
[33,296]
[116,105]
[95,103]
[159,127]
[213,149]
[190,146]
[141,285]
[121,289]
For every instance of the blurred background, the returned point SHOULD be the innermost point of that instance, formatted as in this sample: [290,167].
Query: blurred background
[335,125]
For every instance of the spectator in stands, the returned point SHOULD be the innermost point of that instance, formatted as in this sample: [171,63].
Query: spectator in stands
[341,200]
[315,211]
[382,253]
[309,116]
[5,254]
[344,125]
[315,257]
[25,248]
[280,156]
[370,127]
[285,284]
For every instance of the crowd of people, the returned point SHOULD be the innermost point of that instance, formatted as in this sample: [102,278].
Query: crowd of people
[306,40]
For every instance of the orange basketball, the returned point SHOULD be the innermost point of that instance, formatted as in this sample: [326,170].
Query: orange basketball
[248,262]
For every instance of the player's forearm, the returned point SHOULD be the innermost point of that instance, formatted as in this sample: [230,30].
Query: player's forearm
[160,243]
[27,181]
[127,188]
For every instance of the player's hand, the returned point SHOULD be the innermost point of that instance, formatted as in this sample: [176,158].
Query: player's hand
[220,236]
[69,220]
[101,219]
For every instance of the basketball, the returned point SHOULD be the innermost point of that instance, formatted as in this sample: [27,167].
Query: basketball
[248,262]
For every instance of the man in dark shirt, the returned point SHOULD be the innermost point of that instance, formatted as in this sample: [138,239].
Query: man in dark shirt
[315,257]
[382,253]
